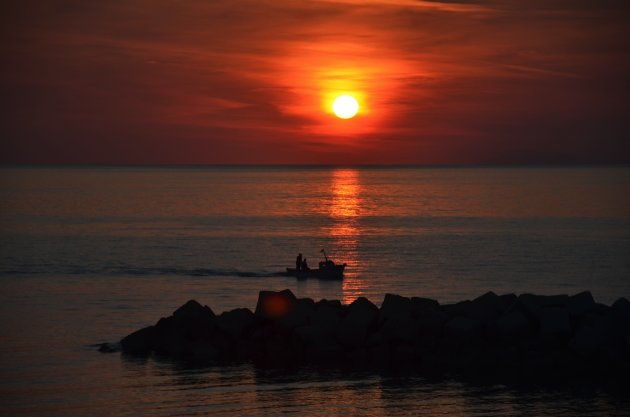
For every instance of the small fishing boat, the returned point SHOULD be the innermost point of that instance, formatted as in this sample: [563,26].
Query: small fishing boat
[327,269]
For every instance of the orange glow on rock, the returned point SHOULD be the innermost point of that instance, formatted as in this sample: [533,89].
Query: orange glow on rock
[276,305]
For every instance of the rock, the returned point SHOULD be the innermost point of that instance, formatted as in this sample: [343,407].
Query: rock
[510,327]
[380,356]
[168,336]
[361,316]
[178,337]
[330,303]
[531,303]
[605,323]
[626,347]
[419,304]
[580,304]
[190,324]
[457,309]
[398,330]
[589,341]
[621,309]
[395,306]
[602,309]
[139,342]
[508,301]
[404,357]
[306,307]
[327,317]
[192,310]
[311,334]
[317,342]
[555,322]
[236,323]
[463,330]
[301,314]
[272,305]
[484,308]
[430,322]
[278,352]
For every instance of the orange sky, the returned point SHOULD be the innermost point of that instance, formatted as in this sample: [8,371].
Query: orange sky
[234,81]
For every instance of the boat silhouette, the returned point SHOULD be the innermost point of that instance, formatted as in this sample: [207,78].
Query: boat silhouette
[327,269]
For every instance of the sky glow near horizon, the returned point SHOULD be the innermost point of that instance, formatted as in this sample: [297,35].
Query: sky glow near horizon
[245,81]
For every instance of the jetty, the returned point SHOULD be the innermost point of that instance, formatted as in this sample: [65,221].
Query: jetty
[493,336]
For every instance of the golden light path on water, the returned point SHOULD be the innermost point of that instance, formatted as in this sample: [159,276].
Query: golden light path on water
[345,211]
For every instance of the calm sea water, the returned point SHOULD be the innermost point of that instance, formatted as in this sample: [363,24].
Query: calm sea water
[89,255]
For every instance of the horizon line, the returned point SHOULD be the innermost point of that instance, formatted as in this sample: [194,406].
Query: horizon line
[367,165]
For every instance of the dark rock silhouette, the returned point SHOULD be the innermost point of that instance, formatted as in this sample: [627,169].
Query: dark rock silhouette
[492,336]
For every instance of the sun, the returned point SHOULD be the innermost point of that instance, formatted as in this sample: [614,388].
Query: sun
[345,107]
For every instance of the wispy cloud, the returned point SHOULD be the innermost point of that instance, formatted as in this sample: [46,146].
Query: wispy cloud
[434,5]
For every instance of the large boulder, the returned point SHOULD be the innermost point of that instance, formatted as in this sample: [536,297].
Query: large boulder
[405,357]
[555,323]
[362,314]
[380,355]
[457,309]
[395,306]
[192,310]
[589,341]
[177,337]
[462,330]
[301,314]
[604,321]
[484,308]
[327,316]
[580,304]
[508,300]
[273,305]
[420,304]
[306,307]
[621,308]
[531,303]
[139,342]
[190,329]
[400,330]
[310,335]
[330,303]
[430,322]
[317,343]
[510,327]
[237,323]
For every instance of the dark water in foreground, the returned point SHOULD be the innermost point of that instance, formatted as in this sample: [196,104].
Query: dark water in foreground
[89,255]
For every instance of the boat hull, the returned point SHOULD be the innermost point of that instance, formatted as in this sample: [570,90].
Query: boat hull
[329,273]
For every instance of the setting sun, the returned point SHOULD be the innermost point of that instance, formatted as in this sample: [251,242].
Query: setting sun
[345,107]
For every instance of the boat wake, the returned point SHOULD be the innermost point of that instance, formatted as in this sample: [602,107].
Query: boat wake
[135,271]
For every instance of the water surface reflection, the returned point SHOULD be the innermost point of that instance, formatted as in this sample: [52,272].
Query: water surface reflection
[248,390]
[346,208]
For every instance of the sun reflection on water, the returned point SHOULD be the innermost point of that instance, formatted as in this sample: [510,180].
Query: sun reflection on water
[345,231]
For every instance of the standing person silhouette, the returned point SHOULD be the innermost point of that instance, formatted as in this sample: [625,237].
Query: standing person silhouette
[298,262]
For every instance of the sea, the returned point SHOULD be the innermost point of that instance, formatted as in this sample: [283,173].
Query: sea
[91,254]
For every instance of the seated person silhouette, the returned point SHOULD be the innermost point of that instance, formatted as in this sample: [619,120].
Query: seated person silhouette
[304,266]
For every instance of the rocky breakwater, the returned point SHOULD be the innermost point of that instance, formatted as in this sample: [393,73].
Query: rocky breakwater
[526,336]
